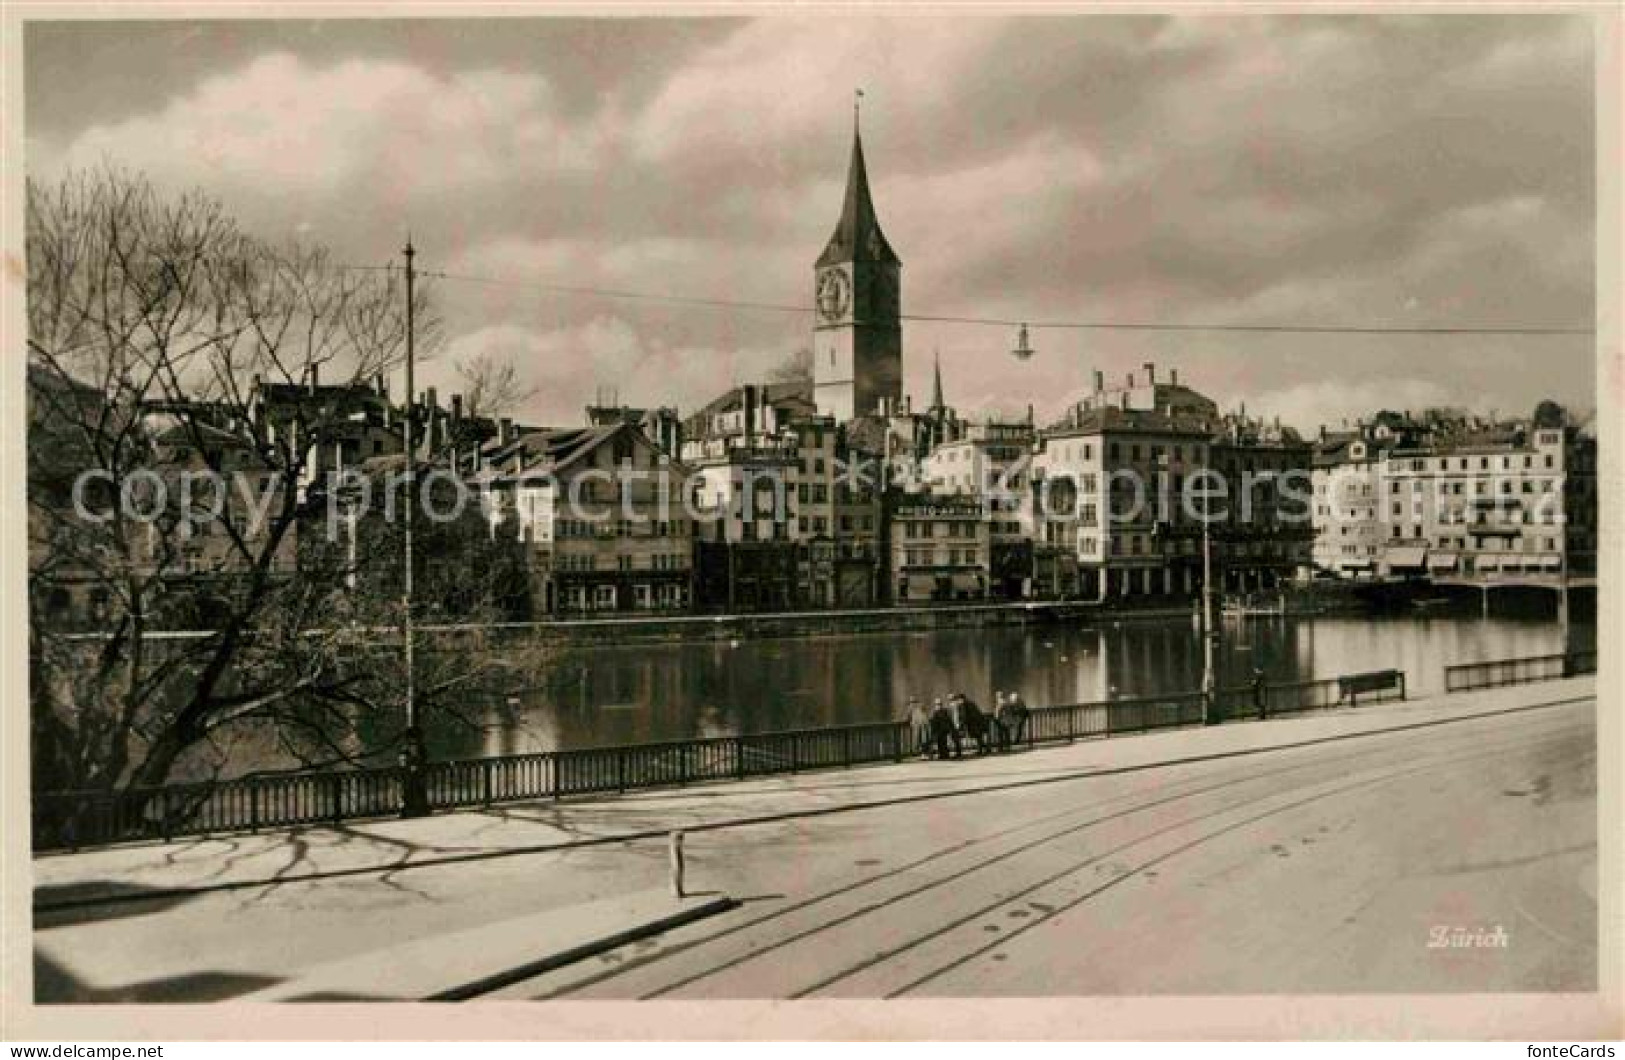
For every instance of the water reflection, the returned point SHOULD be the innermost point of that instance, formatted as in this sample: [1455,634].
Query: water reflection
[646,692]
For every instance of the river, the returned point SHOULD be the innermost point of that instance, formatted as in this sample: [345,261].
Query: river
[648,692]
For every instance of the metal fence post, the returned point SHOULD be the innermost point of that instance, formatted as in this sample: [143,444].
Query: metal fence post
[846,748]
[253,806]
[620,769]
[739,757]
[337,790]
[678,867]
[488,763]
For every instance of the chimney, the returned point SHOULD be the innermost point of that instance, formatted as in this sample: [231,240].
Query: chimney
[456,408]
[1150,373]
[1100,381]
[747,399]
[433,400]
[1029,413]
[1131,379]
[315,377]
[1173,376]
[504,431]
[380,384]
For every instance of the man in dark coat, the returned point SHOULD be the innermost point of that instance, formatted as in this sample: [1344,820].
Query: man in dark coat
[1012,719]
[975,724]
[943,730]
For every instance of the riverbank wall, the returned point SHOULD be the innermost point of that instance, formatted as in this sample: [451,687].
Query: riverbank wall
[741,627]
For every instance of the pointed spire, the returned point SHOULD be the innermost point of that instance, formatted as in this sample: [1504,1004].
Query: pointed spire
[857,236]
[936,382]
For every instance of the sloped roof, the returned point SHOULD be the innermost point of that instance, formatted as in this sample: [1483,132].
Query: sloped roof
[550,452]
[786,399]
[857,236]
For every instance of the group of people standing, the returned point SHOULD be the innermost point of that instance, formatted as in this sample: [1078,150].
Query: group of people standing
[947,723]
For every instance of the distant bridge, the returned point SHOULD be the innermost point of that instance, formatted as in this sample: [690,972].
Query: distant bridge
[1514,580]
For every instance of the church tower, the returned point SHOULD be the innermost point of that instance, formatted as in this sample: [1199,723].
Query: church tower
[858,330]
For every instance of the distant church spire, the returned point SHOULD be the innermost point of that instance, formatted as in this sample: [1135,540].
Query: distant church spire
[857,235]
[936,382]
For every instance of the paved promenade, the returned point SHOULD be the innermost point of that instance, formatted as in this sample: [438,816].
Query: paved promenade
[1314,852]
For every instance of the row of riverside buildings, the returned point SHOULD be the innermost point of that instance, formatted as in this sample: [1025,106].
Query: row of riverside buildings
[836,491]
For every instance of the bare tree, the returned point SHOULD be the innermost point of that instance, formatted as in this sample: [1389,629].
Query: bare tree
[490,384]
[796,368]
[192,392]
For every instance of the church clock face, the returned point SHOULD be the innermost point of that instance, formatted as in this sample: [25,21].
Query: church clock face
[834,295]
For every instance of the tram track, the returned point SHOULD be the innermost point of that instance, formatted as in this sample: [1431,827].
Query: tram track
[784,918]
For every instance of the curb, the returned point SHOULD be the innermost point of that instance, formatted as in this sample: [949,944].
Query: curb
[413,965]
[717,904]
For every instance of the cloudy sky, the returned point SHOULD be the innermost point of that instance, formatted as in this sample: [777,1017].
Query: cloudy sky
[1398,171]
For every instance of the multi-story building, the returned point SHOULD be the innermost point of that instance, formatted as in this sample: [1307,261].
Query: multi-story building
[342,425]
[939,548]
[838,524]
[746,457]
[1267,535]
[604,514]
[794,512]
[1115,484]
[990,462]
[233,517]
[1107,482]
[1350,531]
[1484,502]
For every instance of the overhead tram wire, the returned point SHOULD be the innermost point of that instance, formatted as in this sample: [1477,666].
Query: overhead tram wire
[1036,325]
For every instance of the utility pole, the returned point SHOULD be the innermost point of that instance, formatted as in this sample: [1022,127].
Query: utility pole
[1210,629]
[414,793]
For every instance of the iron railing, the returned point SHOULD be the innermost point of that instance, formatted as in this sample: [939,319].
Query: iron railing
[78,819]
[1498,672]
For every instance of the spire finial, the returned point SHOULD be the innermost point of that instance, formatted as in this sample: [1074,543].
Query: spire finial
[857,107]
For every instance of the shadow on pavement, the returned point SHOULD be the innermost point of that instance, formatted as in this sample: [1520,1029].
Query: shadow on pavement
[55,985]
[67,904]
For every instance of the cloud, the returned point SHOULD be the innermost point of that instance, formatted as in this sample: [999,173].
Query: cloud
[357,130]
[1297,169]
[1308,405]
[569,368]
